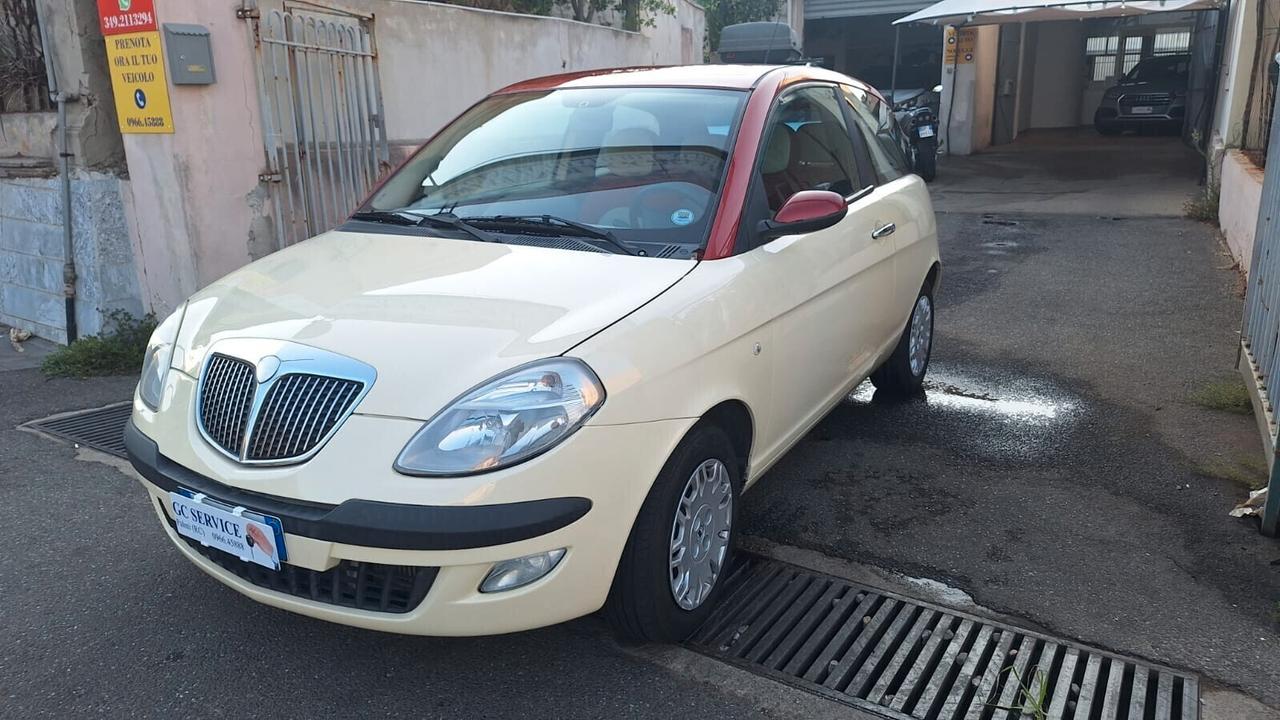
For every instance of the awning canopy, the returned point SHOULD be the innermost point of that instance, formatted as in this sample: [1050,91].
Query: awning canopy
[995,12]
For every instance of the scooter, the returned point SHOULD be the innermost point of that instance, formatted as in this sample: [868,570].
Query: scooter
[919,124]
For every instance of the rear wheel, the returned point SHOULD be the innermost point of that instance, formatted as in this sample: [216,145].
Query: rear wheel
[903,373]
[672,570]
[926,159]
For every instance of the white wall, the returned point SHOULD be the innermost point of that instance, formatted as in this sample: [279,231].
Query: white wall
[1058,74]
[965,122]
[1233,78]
[436,60]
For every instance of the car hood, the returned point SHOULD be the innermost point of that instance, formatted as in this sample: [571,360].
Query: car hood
[433,316]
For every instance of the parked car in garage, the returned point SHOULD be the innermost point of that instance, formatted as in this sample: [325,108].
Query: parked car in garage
[534,373]
[1151,95]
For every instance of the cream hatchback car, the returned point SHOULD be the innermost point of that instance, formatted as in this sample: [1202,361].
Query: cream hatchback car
[534,373]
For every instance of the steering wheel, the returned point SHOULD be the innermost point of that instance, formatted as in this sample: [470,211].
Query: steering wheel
[654,206]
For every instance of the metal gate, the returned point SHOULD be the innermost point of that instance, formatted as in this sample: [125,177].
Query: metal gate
[1260,331]
[322,117]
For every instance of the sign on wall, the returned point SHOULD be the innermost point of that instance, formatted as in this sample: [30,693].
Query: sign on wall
[136,60]
[960,44]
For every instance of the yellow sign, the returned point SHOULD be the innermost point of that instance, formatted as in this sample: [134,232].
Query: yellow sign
[139,83]
[960,44]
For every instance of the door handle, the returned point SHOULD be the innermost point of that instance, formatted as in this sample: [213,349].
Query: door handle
[883,231]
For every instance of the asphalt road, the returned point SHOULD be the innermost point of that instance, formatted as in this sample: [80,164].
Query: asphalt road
[1056,471]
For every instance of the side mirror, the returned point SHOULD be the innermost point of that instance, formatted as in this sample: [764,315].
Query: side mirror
[805,212]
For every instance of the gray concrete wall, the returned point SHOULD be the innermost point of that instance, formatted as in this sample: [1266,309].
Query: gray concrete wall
[31,254]
[31,216]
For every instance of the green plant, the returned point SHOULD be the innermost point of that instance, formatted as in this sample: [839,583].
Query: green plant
[1204,206]
[1226,395]
[117,351]
[1034,697]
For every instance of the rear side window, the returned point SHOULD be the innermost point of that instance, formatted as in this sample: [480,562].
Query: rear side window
[807,147]
[874,120]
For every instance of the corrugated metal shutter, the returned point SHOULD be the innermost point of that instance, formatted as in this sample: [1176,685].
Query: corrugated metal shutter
[818,9]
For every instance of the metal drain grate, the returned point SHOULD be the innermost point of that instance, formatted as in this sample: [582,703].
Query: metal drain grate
[101,429]
[900,658]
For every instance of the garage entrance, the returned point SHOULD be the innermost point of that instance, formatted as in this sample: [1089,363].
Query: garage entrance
[1080,70]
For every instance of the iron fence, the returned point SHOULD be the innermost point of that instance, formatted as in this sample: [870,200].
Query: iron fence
[1260,329]
[24,86]
[326,140]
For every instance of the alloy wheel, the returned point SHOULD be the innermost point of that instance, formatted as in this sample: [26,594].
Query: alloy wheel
[700,534]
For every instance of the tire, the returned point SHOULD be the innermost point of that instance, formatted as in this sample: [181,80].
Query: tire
[1104,128]
[642,605]
[926,159]
[899,375]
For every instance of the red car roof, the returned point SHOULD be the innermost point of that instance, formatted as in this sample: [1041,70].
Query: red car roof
[735,77]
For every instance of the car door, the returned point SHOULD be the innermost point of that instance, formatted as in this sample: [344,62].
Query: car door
[902,211]
[829,287]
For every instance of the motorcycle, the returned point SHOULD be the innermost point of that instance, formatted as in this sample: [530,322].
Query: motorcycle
[918,122]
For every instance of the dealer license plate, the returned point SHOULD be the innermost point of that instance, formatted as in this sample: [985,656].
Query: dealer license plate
[250,536]
[925,131]
[1142,110]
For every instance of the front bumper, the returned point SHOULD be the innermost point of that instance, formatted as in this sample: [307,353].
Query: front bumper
[582,496]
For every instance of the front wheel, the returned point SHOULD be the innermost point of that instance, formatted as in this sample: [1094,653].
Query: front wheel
[672,570]
[903,373]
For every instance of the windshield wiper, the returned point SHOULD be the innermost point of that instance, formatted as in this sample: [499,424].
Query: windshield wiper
[390,217]
[555,221]
[412,219]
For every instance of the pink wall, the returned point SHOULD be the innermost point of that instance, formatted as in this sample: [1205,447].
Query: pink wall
[191,193]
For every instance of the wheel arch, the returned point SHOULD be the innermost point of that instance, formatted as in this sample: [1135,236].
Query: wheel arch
[934,277]
[736,420]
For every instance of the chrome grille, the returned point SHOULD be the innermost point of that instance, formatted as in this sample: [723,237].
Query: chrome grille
[226,397]
[276,402]
[1147,99]
[297,412]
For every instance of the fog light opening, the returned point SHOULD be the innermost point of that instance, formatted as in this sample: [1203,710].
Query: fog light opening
[512,574]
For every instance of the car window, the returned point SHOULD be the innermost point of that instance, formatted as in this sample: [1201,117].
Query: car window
[807,147]
[1161,69]
[875,121]
[645,164]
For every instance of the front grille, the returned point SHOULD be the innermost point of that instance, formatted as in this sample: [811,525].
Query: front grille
[226,395]
[1147,99]
[359,585]
[297,412]
[295,415]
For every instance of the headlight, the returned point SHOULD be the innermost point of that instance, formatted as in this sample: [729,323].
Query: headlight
[506,420]
[155,364]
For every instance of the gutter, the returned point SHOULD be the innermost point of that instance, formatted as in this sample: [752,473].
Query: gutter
[61,97]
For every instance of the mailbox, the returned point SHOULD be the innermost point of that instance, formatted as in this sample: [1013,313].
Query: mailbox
[190,59]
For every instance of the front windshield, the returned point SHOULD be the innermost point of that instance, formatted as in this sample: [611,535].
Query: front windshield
[643,164]
[1165,69]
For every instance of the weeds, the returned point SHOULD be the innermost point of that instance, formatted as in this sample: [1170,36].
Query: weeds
[1035,697]
[1249,473]
[1225,395]
[1204,206]
[117,351]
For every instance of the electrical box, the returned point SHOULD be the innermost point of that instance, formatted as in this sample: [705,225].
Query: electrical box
[190,58]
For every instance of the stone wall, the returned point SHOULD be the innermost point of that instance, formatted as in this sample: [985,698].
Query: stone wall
[31,254]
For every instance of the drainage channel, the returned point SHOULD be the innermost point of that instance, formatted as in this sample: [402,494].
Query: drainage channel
[101,428]
[900,658]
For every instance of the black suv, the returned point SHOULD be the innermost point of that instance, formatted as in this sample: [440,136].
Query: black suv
[1152,94]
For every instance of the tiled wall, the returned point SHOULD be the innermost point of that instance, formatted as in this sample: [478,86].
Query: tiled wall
[31,254]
